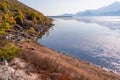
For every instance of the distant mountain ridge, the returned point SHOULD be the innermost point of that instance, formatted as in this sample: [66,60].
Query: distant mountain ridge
[66,15]
[110,10]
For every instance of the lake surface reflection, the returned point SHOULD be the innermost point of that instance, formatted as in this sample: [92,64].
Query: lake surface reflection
[96,40]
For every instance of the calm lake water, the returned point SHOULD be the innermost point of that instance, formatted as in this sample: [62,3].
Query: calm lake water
[93,39]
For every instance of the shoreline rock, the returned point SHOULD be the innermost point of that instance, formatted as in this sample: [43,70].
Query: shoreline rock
[17,69]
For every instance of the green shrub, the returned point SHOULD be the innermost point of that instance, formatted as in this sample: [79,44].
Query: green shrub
[6,22]
[19,17]
[12,13]
[31,16]
[0,19]
[19,20]
[2,32]
[18,12]
[3,6]
[9,51]
[35,17]
[8,17]
[31,31]
[5,26]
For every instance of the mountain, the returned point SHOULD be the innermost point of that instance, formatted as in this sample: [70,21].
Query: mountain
[66,15]
[110,10]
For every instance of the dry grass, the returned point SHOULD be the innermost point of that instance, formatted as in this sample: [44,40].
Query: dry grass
[54,62]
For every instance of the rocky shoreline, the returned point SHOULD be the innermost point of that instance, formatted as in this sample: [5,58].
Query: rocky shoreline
[17,69]
[37,62]
[45,63]
[18,34]
[20,28]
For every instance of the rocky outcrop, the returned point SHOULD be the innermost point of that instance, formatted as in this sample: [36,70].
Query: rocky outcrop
[18,34]
[18,69]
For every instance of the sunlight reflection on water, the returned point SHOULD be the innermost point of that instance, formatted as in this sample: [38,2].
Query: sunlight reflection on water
[96,40]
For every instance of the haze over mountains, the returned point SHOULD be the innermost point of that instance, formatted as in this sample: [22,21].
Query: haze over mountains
[109,10]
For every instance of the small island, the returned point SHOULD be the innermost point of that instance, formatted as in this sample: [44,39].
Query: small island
[22,58]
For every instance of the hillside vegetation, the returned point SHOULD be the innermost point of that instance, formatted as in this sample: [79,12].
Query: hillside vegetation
[20,26]
[19,23]
[13,13]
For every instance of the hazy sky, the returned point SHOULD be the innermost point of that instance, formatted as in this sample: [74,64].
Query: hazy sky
[57,7]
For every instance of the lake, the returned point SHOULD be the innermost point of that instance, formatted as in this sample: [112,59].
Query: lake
[92,39]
